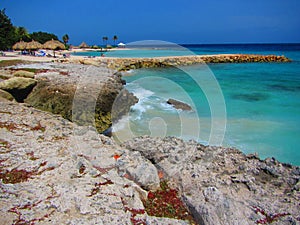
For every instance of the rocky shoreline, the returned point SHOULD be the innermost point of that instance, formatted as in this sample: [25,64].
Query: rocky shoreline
[84,94]
[53,171]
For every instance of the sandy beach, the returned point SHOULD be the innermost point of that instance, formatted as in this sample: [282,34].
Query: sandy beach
[16,55]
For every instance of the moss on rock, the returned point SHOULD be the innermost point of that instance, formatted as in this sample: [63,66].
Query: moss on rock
[23,73]
[89,105]
[53,98]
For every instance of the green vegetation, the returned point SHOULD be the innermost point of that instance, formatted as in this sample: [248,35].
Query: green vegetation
[43,37]
[66,40]
[12,62]
[9,34]
[22,34]
[105,39]
[115,38]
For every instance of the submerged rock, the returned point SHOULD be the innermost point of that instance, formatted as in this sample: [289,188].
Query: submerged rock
[179,105]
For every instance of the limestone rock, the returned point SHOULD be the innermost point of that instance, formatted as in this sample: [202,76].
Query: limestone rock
[86,96]
[53,97]
[55,172]
[6,95]
[141,170]
[23,73]
[224,186]
[89,62]
[19,87]
[4,75]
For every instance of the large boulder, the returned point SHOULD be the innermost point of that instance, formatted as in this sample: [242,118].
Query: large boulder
[53,97]
[86,95]
[19,87]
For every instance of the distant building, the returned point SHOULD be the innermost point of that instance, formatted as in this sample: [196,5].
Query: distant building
[121,45]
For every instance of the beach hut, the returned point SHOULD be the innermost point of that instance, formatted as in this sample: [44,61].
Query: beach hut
[83,45]
[21,45]
[121,45]
[54,45]
[34,45]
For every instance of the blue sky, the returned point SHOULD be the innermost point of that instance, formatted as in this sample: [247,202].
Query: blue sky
[192,21]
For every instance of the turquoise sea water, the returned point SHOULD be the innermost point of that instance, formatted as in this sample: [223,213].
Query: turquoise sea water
[145,53]
[262,101]
[174,50]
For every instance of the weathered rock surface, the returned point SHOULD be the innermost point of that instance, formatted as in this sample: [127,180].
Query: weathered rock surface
[55,172]
[4,75]
[19,87]
[224,186]
[6,95]
[84,94]
[24,73]
[179,105]
[141,170]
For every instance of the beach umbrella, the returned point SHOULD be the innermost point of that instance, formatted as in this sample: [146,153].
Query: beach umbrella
[33,45]
[54,45]
[21,45]
[83,45]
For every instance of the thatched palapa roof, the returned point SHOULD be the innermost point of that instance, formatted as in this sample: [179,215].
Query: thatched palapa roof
[83,45]
[21,45]
[54,45]
[33,45]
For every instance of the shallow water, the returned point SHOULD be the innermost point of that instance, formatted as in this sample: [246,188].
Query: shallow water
[135,53]
[262,102]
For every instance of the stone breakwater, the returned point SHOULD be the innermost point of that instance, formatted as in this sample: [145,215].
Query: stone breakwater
[53,171]
[136,63]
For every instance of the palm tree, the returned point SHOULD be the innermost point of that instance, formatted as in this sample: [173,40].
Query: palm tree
[65,39]
[22,34]
[105,39]
[115,38]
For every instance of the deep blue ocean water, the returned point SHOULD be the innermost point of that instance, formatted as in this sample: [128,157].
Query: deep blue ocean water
[262,101]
